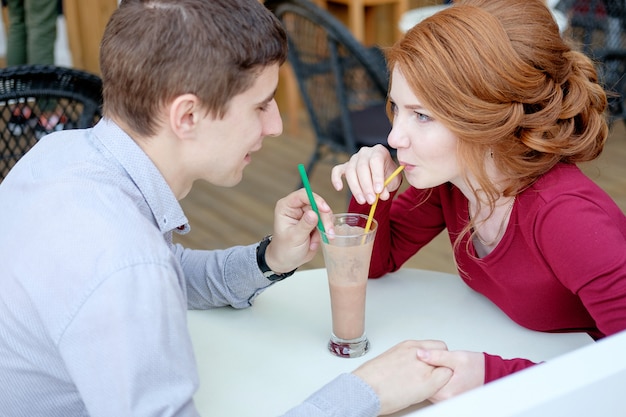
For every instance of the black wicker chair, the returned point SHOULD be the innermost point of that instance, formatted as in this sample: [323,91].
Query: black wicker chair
[38,99]
[343,83]
[598,27]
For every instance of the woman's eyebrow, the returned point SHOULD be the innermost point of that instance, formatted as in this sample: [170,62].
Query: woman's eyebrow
[414,107]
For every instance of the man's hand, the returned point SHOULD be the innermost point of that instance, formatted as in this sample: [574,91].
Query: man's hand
[296,239]
[400,378]
[468,367]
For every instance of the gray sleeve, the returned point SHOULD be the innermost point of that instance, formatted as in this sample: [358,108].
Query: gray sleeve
[345,396]
[216,278]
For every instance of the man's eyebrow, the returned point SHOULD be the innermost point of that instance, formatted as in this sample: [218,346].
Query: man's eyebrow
[269,98]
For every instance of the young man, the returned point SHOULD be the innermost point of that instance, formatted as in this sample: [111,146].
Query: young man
[93,293]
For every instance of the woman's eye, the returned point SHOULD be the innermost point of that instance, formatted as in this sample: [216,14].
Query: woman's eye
[423,117]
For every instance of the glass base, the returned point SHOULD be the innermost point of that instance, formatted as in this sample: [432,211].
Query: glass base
[352,348]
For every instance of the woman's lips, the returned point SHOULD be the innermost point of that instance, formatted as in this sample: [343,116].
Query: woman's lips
[407,166]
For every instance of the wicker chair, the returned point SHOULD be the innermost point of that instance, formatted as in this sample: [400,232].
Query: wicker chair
[38,99]
[343,83]
[598,27]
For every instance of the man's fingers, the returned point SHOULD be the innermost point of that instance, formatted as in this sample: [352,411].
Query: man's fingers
[436,357]
[431,344]
[440,377]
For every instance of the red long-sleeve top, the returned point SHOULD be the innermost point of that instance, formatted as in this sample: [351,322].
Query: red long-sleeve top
[560,266]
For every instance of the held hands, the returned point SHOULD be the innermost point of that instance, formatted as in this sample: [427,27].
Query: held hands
[365,174]
[468,368]
[295,239]
[400,378]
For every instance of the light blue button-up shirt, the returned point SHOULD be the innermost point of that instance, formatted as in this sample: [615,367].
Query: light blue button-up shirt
[93,294]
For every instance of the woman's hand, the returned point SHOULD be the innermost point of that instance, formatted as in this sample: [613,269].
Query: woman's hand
[468,368]
[400,378]
[365,174]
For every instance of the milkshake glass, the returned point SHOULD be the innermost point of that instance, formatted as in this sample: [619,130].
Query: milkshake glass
[347,256]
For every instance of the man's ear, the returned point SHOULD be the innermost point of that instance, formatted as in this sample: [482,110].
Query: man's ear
[185,114]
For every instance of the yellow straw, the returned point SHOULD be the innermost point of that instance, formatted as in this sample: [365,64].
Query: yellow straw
[373,208]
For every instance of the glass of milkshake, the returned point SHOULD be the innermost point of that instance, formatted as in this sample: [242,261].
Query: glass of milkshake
[347,256]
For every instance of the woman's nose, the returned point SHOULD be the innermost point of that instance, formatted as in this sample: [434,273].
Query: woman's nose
[397,137]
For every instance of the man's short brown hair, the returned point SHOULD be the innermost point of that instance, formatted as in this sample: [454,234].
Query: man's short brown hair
[155,50]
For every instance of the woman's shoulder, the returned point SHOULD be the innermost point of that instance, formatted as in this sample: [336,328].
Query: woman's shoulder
[566,190]
[565,179]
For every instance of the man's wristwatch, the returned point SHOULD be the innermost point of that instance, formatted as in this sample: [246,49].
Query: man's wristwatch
[266,270]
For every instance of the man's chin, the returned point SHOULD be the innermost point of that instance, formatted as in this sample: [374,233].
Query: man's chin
[229,181]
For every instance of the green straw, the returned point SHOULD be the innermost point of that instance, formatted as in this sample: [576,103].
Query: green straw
[309,192]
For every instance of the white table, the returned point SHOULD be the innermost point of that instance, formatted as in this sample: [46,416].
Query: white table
[414,16]
[266,359]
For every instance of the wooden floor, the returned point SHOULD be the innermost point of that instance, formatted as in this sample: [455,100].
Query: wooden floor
[223,217]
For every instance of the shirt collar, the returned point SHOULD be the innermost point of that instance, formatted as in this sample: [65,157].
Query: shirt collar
[167,212]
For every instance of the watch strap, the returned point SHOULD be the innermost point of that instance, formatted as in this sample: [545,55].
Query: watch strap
[265,269]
